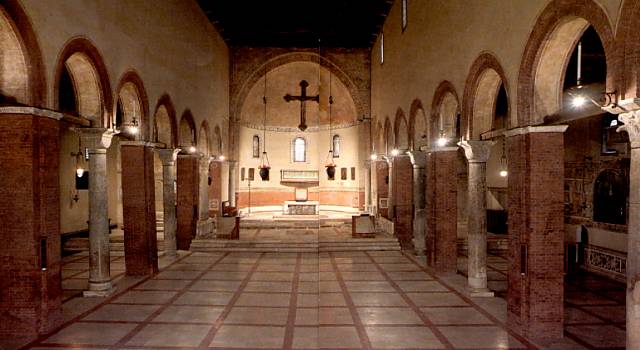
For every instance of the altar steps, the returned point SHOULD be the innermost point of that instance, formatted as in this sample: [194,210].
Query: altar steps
[355,244]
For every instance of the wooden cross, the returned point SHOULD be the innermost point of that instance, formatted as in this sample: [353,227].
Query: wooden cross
[302,98]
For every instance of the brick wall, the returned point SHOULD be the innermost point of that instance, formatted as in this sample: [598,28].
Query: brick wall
[187,199]
[403,200]
[30,297]
[382,188]
[441,208]
[536,228]
[138,202]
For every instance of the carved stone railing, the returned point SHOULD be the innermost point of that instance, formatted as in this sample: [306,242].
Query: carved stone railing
[605,261]
[299,178]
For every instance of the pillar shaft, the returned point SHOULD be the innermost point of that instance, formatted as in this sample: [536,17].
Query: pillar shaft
[402,195]
[187,200]
[97,140]
[31,295]
[139,209]
[168,158]
[632,127]
[367,186]
[382,188]
[536,230]
[419,160]
[205,224]
[441,207]
[233,182]
[477,153]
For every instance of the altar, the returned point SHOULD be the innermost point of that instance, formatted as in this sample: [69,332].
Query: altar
[301,208]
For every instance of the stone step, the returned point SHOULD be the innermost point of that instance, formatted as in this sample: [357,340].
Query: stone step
[115,245]
[295,246]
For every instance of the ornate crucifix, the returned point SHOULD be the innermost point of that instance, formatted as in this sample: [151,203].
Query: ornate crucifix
[302,98]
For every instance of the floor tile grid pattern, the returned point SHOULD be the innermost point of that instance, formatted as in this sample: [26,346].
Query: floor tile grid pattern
[75,273]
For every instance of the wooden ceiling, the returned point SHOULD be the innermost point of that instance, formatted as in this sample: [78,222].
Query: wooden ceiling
[298,23]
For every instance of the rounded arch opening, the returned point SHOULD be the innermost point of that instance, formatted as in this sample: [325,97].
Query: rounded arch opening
[187,132]
[401,131]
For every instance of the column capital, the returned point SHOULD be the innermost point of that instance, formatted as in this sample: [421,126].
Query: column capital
[535,129]
[168,156]
[631,125]
[418,158]
[477,151]
[140,143]
[95,138]
[442,149]
[40,112]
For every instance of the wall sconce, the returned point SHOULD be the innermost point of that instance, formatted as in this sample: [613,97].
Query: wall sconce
[503,162]
[221,158]
[442,139]
[374,156]
[395,152]
[132,128]
[192,149]
[74,195]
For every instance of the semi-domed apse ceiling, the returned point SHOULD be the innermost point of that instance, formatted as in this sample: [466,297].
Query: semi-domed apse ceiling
[285,116]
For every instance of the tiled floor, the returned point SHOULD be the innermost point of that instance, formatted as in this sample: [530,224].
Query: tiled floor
[355,300]
[594,309]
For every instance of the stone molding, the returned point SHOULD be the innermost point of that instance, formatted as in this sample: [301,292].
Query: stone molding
[442,149]
[535,129]
[40,112]
[418,159]
[142,143]
[168,156]
[95,138]
[477,151]
[631,125]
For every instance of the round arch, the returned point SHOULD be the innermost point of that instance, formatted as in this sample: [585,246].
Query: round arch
[480,95]
[90,80]
[389,141]
[259,71]
[204,146]
[445,109]
[401,129]
[164,122]
[187,131]
[418,125]
[134,102]
[22,77]
[547,52]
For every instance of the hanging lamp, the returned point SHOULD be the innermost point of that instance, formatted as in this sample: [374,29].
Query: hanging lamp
[264,166]
[503,161]
[329,164]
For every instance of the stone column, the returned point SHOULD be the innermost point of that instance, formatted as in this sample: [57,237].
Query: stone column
[139,208]
[367,187]
[419,161]
[382,188]
[535,304]
[205,224]
[402,195]
[168,158]
[477,153]
[30,200]
[390,201]
[97,140]
[632,127]
[233,182]
[441,207]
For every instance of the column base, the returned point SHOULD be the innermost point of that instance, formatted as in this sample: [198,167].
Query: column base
[480,292]
[204,228]
[100,290]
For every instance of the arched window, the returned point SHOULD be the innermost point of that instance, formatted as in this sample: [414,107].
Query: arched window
[256,146]
[299,150]
[610,197]
[336,146]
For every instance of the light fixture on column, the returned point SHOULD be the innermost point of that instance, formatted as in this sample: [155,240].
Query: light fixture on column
[192,149]
[132,127]
[221,158]
[395,152]
[442,139]
[79,162]
[374,156]
[503,161]
[264,167]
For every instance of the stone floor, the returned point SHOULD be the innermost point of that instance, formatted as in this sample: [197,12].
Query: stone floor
[350,300]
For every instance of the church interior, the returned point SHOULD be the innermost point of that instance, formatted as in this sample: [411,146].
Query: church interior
[336,174]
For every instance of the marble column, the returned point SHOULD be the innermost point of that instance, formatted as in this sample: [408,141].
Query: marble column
[233,182]
[632,127]
[97,140]
[367,187]
[419,161]
[477,153]
[390,201]
[168,158]
[205,224]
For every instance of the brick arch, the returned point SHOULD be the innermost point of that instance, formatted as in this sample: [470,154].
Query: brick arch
[388,136]
[443,98]
[280,60]
[547,52]
[628,50]
[82,51]
[480,94]
[30,83]
[418,125]
[204,144]
[187,131]
[165,106]
[401,130]
[130,83]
